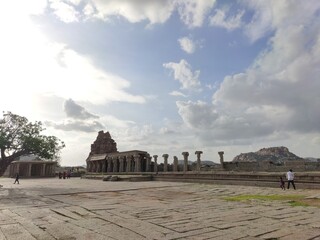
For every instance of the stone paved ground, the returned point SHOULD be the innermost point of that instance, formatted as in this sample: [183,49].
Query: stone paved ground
[92,209]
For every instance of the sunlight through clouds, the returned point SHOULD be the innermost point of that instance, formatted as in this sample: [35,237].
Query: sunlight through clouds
[208,74]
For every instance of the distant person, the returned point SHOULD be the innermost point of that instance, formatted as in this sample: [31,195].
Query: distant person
[282,185]
[68,174]
[64,174]
[17,178]
[60,175]
[290,178]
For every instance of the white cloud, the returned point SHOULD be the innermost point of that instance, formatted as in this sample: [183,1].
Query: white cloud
[197,115]
[187,45]
[193,12]
[68,70]
[221,19]
[76,125]
[270,15]
[183,73]
[65,12]
[177,94]
[137,11]
[277,95]
[75,111]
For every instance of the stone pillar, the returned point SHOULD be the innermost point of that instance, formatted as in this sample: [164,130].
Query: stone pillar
[128,158]
[185,161]
[198,153]
[115,164]
[88,167]
[221,159]
[155,158]
[109,167]
[29,170]
[51,170]
[98,166]
[175,164]
[148,163]
[165,162]
[17,169]
[121,164]
[103,166]
[43,170]
[137,161]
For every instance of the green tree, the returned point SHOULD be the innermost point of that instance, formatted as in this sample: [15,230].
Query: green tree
[20,137]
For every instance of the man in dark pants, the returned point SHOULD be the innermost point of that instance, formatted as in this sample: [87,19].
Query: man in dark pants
[290,178]
[17,178]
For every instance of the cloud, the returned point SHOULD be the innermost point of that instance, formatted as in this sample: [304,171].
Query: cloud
[177,94]
[196,115]
[76,125]
[79,119]
[187,45]
[221,19]
[183,73]
[65,12]
[268,16]
[192,12]
[68,70]
[74,110]
[277,95]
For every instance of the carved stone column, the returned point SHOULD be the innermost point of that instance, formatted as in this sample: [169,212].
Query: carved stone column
[165,162]
[88,166]
[93,167]
[221,159]
[155,158]
[98,166]
[175,164]
[115,164]
[185,161]
[109,167]
[43,170]
[198,153]
[137,161]
[128,163]
[29,170]
[121,164]
[103,166]
[148,163]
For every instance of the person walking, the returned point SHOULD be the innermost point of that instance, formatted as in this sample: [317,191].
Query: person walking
[290,178]
[282,185]
[17,178]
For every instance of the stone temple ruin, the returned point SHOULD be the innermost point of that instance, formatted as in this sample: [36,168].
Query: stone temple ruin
[105,158]
[105,161]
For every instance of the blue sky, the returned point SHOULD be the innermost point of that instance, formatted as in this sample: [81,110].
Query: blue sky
[165,76]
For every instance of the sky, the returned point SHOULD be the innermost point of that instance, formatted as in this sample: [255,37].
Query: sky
[166,76]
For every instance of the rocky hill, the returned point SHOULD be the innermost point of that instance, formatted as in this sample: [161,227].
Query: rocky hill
[274,154]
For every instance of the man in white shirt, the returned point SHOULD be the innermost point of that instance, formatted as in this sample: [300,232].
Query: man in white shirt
[290,177]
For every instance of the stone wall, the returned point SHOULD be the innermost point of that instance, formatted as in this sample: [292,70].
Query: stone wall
[264,166]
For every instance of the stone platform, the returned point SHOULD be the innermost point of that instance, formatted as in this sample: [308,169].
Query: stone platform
[306,180]
[94,209]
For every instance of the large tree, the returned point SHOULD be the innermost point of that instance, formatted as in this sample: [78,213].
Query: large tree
[20,137]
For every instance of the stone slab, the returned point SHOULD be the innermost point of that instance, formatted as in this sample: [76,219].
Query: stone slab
[92,209]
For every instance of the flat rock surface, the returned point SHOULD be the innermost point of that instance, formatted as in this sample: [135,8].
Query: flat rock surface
[94,209]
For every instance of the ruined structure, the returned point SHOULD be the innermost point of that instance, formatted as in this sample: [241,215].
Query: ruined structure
[104,157]
[33,168]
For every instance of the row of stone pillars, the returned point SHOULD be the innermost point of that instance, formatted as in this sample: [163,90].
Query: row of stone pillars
[185,161]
